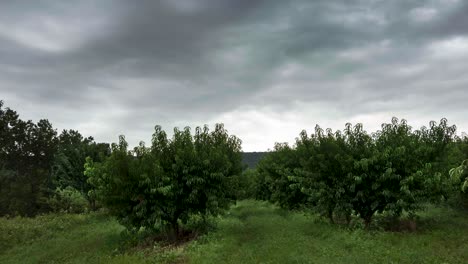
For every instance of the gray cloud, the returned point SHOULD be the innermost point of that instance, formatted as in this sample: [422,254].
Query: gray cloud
[111,67]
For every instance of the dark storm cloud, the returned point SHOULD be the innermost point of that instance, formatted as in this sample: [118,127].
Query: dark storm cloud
[109,67]
[154,39]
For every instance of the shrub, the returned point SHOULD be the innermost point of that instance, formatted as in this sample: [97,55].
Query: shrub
[68,200]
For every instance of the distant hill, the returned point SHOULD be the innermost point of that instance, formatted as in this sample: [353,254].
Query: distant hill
[251,159]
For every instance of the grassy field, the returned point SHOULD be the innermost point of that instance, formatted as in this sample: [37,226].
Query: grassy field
[251,232]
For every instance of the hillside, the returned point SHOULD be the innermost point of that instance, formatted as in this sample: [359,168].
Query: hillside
[251,159]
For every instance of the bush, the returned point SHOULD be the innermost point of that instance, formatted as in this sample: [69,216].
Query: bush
[68,200]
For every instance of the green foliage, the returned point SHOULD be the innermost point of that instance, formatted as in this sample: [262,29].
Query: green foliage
[61,238]
[325,160]
[34,163]
[68,200]
[246,184]
[19,230]
[26,154]
[401,173]
[276,170]
[460,174]
[257,232]
[339,173]
[69,160]
[250,232]
[164,184]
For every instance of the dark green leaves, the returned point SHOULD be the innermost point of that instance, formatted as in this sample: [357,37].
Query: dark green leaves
[26,154]
[395,169]
[174,178]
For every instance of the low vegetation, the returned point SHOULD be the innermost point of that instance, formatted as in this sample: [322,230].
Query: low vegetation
[250,232]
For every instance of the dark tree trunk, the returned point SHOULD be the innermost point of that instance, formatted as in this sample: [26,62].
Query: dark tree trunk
[330,216]
[175,230]
[348,218]
[367,221]
[92,204]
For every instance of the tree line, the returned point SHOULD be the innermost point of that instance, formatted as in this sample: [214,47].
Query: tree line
[41,170]
[197,174]
[159,188]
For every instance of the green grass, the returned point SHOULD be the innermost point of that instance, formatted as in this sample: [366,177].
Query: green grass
[260,233]
[72,238]
[58,239]
[251,232]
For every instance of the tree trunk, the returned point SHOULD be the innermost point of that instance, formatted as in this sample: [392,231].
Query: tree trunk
[92,204]
[175,230]
[330,216]
[367,222]
[348,218]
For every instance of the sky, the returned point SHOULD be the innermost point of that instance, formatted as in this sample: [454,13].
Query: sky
[267,69]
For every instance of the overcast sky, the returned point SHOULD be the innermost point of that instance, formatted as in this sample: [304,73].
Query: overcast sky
[266,69]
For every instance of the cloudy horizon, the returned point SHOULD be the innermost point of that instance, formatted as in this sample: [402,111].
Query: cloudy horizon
[266,69]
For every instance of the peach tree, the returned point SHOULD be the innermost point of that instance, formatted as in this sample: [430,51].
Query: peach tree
[163,185]
[460,174]
[395,170]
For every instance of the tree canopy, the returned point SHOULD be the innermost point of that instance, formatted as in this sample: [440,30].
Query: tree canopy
[163,185]
[26,153]
[394,169]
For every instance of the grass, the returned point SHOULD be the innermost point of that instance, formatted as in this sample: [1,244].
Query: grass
[260,233]
[251,232]
[58,239]
[73,238]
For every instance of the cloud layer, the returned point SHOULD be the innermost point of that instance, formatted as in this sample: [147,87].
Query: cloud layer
[267,69]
